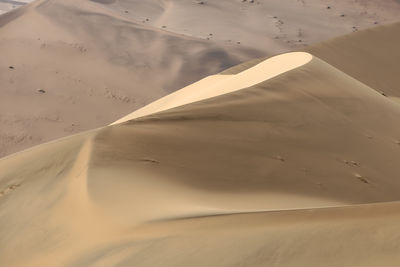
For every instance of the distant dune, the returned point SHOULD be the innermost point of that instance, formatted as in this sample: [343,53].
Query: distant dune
[8,5]
[285,161]
[71,66]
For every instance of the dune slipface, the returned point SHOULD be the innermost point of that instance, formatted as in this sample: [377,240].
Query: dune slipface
[70,66]
[223,84]
[288,161]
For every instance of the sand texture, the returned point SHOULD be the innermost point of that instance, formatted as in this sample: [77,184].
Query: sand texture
[71,66]
[285,161]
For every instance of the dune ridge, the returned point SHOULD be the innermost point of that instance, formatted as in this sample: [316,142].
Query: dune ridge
[217,85]
[350,53]
[287,161]
[259,160]
[61,57]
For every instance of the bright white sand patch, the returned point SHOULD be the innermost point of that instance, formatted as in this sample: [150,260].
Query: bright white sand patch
[216,85]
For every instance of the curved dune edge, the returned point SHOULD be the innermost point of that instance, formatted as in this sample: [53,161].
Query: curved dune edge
[216,85]
[281,166]
[121,197]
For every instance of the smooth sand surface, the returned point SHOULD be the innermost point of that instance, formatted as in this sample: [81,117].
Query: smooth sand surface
[290,162]
[80,64]
[8,5]
[349,52]
[222,84]
[285,161]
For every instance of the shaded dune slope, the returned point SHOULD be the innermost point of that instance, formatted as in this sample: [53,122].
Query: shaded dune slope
[299,162]
[83,55]
[216,85]
[117,56]
[369,56]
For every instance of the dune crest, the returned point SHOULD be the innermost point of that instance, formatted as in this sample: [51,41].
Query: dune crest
[271,163]
[289,161]
[216,85]
[77,65]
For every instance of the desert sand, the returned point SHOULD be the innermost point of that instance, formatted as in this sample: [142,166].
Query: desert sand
[71,66]
[8,5]
[286,161]
[222,84]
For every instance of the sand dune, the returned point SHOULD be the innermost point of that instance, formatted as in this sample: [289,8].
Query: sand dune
[63,62]
[358,56]
[288,162]
[222,84]
[78,65]
[282,161]
[8,5]
[348,53]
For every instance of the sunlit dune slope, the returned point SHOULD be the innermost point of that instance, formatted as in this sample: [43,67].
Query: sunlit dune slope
[257,174]
[70,66]
[370,56]
[222,84]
